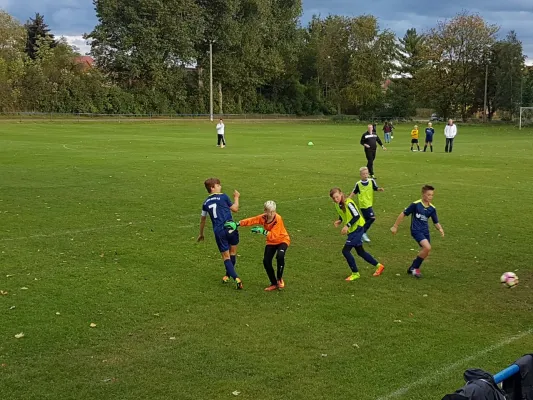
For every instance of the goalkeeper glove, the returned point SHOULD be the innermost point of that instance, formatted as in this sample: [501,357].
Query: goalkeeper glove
[231,225]
[260,229]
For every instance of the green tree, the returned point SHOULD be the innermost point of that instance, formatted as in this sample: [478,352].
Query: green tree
[507,69]
[12,42]
[458,50]
[143,44]
[37,29]
[371,56]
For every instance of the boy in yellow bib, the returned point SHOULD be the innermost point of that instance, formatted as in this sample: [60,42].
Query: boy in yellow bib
[353,222]
[364,189]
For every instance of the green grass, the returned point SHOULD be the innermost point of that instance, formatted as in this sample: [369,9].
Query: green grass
[99,220]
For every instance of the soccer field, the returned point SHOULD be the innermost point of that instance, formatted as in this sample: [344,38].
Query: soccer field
[99,224]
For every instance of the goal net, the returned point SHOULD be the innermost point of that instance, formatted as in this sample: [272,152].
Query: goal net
[526,116]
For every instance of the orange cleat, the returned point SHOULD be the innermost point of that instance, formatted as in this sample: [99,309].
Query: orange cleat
[379,270]
[281,284]
[225,279]
[271,288]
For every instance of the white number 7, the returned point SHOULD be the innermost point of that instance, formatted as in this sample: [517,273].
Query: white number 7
[214,207]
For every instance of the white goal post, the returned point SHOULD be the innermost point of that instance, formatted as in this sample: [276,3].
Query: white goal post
[526,116]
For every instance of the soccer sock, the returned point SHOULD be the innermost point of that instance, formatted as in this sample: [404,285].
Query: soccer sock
[281,268]
[230,269]
[233,260]
[366,256]
[418,147]
[425,147]
[349,258]
[368,224]
[417,263]
[270,272]
[431,147]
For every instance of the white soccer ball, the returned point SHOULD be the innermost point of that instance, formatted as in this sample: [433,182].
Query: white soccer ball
[509,279]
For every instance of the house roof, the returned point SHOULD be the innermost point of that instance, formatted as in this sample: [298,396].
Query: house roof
[87,60]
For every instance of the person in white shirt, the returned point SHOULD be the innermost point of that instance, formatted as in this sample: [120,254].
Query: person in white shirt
[221,142]
[450,130]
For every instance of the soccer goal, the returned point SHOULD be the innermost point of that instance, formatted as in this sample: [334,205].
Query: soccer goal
[526,116]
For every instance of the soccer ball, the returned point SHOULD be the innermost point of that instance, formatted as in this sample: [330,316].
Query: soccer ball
[509,279]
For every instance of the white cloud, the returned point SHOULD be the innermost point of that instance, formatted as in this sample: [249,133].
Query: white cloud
[80,43]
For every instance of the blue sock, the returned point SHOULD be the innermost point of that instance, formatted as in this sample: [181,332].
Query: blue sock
[368,224]
[349,258]
[366,256]
[233,260]
[230,269]
[417,262]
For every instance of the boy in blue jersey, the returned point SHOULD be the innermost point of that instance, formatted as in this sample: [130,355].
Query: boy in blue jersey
[429,137]
[364,189]
[219,207]
[421,211]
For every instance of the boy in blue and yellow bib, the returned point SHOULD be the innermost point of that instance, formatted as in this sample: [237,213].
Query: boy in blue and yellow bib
[421,211]
[364,189]
[354,223]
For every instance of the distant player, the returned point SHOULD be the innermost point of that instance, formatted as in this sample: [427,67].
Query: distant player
[414,138]
[370,140]
[429,137]
[219,207]
[353,226]
[277,241]
[421,211]
[221,140]
[364,189]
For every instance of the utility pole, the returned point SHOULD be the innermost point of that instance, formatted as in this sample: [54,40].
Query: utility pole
[211,79]
[485,97]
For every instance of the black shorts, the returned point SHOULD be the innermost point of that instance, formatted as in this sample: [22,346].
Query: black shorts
[414,140]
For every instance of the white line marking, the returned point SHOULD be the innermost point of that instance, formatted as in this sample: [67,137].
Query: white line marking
[68,148]
[451,367]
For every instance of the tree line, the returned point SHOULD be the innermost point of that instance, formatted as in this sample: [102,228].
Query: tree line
[153,57]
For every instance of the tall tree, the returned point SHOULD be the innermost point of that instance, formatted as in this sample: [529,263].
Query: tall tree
[37,29]
[405,89]
[141,42]
[371,62]
[527,89]
[458,51]
[507,65]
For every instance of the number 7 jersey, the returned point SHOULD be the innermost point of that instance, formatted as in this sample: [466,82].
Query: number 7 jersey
[217,205]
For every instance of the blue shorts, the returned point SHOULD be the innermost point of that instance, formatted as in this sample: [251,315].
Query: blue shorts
[355,238]
[368,213]
[419,236]
[225,239]
[429,139]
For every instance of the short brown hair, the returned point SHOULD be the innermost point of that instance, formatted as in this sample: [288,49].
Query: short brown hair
[425,188]
[210,184]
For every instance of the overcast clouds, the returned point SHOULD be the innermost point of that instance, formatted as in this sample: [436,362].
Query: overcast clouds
[72,18]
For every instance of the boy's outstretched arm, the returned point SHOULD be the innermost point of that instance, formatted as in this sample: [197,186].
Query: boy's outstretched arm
[439,228]
[399,220]
[235,206]
[202,226]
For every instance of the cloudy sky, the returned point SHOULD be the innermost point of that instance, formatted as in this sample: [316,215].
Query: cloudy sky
[72,18]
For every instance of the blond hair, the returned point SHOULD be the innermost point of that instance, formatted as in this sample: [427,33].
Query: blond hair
[270,205]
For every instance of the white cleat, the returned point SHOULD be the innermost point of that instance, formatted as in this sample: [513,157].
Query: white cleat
[366,238]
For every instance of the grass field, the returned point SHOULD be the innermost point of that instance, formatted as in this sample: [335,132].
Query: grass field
[98,225]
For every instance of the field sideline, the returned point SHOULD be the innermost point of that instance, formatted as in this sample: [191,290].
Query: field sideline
[99,222]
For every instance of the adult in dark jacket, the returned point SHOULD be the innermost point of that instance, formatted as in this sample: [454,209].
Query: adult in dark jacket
[480,385]
[370,140]
[520,385]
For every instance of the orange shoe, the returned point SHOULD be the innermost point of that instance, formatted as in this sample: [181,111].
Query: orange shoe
[379,270]
[281,284]
[225,279]
[271,288]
